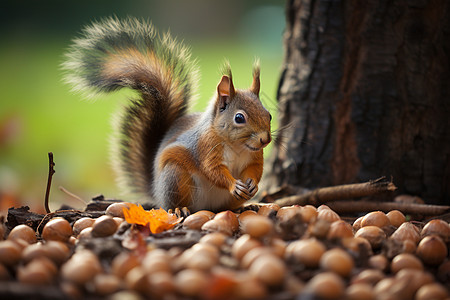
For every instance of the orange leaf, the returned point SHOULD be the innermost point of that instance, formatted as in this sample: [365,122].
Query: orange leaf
[158,220]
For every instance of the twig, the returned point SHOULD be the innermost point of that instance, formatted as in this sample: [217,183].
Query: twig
[51,171]
[406,208]
[62,189]
[340,192]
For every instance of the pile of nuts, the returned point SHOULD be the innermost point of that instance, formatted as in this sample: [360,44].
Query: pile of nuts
[269,253]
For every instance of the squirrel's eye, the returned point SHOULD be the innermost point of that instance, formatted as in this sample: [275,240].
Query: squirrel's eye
[239,118]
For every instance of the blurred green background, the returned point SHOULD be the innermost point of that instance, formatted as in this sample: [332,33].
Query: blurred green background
[39,114]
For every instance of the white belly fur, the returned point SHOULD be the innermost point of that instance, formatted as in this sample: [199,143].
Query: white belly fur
[208,196]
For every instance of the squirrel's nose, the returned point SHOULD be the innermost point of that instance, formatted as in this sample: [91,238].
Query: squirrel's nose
[265,140]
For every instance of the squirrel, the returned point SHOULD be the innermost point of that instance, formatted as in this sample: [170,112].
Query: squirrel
[211,160]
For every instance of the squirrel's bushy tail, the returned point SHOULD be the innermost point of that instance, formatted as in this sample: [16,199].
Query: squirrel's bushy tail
[112,54]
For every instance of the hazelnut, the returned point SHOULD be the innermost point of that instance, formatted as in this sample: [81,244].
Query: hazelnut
[106,284]
[191,282]
[104,226]
[437,227]
[195,221]
[269,269]
[357,245]
[379,262]
[434,291]
[4,273]
[221,226]
[207,213]
[23,232]
[309,213]
[243,215]
[405,261]
[136,279]
[230,218]
[326,285]
[432,250]
[244,244]
[161,284]
[359,291]
[407,231]
[369,276]
[57,229]
[257,226]
[81,224]
[373,234]
[375,218]
[327,215]
[215,238]
[340,229]
[10,253]
[338,261]
[116,209]
[248,287]
[155,261]
[307,251]
[267,209]
[40,271]
[123,263]
[396,218]
[253,254]
[81,268]
[286,213]
[357,224]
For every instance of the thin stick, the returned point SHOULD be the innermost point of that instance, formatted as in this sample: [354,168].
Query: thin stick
[406,208]
[339,192]
[51,171]
[62,189]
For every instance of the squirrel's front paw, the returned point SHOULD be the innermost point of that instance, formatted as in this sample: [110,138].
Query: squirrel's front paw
[244,191]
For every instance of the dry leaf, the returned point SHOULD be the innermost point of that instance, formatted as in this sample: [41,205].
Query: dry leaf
[158,220]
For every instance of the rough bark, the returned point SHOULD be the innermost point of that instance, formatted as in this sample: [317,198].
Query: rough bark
[365,87]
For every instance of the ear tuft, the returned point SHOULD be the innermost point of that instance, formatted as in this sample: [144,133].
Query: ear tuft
[256,81]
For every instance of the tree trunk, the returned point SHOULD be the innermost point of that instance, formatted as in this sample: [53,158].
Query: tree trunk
[365,90]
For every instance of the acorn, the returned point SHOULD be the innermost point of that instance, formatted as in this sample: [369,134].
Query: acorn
[437,227]
[306,251]
[338,261]
[375,218]
[57,229]
[23,232]
[396,218]
[432,250]
[373,234]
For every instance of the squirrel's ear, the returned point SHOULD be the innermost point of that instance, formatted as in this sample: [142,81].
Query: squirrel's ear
[225,91]
[256,82]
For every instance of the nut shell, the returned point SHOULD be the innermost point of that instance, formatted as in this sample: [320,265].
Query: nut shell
[432,250]
[57,229]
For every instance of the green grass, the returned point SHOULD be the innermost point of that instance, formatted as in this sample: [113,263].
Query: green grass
[51,118]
